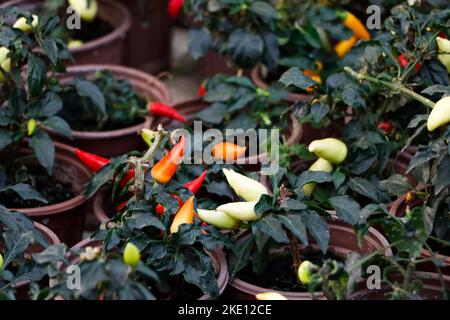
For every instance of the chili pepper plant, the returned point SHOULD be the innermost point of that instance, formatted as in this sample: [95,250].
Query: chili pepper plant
[29,104]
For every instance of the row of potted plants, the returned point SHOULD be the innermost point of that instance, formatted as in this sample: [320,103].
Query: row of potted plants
[346,172]
[134,33]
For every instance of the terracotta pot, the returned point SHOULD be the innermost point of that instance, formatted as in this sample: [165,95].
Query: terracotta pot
[148,44]
[116,142]
[343,241]
[218,258]
[22,286]
[432,287]
[190,108]
[106,49]
[67,218]
[292,97]
[102,206]
[398,209]
[212,64]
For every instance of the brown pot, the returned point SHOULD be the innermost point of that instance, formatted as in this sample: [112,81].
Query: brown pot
[102,206]
[22,286]
[190,108]
[148,44]
[343,241]
[116,142]
[398,209]
[67,218]
[212,64]
[218,258]
[106,49]
[432,287]
[292,97]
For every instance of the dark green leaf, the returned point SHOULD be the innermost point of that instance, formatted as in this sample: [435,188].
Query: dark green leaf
[25,191]
[364,187]
[318,229]
[396,184]
[88,89]
[200,41]
[296,77]
[44,149]
[37,74]
[59,125]
[346,208]
[245,48]
[273,228]
[294,223]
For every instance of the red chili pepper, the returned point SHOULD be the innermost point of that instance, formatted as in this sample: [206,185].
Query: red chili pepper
[386,126]
[92,161]
[127,178]
[164,170]
[404,61]
[174,7]
[121,206]
[201,90]
[195,184]
[95,163]
[160,109]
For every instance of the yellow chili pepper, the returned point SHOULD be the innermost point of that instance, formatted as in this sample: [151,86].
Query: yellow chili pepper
[344,46]
[353,23]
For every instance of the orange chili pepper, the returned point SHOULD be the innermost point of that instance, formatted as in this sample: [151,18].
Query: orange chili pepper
[164,170]
[227,151]
[184,216]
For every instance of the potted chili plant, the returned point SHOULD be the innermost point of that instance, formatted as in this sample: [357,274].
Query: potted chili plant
[232,102]
[273,228]
[100,38]
[161,237]
[108,111]
[41,178]
[21,238]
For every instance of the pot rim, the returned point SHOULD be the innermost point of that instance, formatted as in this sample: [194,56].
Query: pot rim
[61,206]
[118,31]
[109,134]
[256,77]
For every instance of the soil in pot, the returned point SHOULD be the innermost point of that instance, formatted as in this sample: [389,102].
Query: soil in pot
[49,187]
[65,218]
[280,274]
[127,92]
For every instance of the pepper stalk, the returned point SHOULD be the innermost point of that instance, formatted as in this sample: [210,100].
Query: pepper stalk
[140,164]
[393,86]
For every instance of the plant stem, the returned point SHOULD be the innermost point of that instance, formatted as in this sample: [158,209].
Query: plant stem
[140,163]
[293,242]
[393,86]
[159,137]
